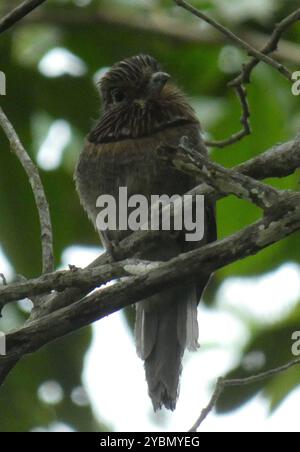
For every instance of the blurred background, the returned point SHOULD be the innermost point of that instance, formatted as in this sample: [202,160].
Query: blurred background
[92,380]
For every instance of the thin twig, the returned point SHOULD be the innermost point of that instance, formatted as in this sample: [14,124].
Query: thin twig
[236,39]
[222,384]
[37,188]
[244,76]
[269,47]
[246,130]
[18,13]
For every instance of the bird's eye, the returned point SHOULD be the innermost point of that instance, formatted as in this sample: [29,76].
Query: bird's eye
[117,95]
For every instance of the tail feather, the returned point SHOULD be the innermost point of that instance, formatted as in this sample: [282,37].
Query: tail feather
[166,324]
[146,325]
[163,365]
[192,329]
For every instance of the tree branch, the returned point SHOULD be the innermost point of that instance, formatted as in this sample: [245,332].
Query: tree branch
[236,39]
[281,160]
[18,13]
[37,188]
[86,279]
[62,313]
[245,121]
[268,48]
[59,316]
[277,224]
[244,76]
[222,384]
[224,181]
[108,300]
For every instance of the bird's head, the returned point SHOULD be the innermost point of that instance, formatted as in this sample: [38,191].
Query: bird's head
[139,99]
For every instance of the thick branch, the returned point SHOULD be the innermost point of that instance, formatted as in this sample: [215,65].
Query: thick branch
[87,279]
[284,159]
[281,160]
[18,13]
[37,188]
[224,181]
[249,241]
[61,314]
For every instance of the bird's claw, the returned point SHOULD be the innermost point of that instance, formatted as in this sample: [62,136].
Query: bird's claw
[112,248]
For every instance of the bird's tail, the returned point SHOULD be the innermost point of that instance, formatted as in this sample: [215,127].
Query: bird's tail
[166,324]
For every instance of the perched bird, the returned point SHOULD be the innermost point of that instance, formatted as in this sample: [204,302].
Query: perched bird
[143,109]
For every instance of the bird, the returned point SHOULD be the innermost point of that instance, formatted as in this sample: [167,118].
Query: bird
[142,109]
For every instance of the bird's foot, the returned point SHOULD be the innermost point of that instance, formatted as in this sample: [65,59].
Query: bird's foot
[112,248]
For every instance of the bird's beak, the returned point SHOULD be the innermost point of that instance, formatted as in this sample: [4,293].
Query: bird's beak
[161,77]
[157,83]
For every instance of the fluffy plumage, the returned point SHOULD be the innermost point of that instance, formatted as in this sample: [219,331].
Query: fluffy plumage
[142,109]
[139,114]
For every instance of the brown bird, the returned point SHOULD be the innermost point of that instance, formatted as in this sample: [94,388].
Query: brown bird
[143,109]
